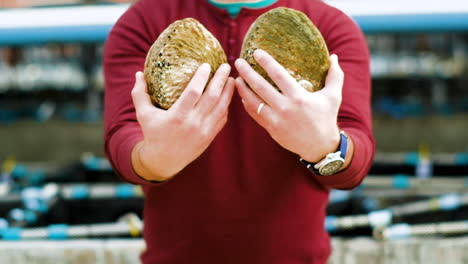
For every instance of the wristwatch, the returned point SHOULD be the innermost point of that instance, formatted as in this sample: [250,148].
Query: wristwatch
[333,162]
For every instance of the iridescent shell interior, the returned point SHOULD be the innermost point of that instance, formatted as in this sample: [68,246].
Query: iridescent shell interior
[174,58]
[294,41]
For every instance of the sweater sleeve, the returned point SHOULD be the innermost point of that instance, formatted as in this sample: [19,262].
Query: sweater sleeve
[345,39]
[124,55]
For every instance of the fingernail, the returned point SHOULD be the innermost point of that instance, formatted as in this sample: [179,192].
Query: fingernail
[226,67]
[238,62]
[334,57]
[204,66]
[259,53]
[138,74]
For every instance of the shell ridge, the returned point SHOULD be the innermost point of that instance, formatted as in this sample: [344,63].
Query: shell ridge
[174,57]
[294,41]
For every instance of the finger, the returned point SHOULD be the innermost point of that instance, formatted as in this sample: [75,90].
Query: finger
[211,96]
[220,109]
[285,82]
[219,125]
[335,78]
[260,86]
[252,103]
[140,97]
[192,93]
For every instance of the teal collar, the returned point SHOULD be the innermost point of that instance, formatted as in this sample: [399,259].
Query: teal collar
[234,8]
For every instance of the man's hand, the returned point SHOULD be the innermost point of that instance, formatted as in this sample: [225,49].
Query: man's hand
[174,138]
[302,122]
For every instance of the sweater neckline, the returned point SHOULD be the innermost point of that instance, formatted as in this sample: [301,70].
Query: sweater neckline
[245,11]
[234,8]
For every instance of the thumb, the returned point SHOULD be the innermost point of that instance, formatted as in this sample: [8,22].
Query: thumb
[141,99]
[335,78]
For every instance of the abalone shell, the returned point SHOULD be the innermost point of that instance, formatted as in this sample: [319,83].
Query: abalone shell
[174,58]
[294,41]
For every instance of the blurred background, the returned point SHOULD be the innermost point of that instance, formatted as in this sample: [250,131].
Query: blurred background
[55,180]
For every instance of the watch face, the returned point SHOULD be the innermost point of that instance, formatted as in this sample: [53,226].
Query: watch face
[331,167]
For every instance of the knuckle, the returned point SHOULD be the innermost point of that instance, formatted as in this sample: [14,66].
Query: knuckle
[192,125]
[204,134]
[283,110]
[144,116]
[340,70]
[264,88]
[212,97]
[323,107]
[153,126]
[220,124]
[134,93]
[334,100]
[273,125]
[339,73]
[224,119]
[272,128]
[177,120]
[260,88]
[140,116]
[275,75]
[193,93]
[220,117]
[339,99]
[298,100]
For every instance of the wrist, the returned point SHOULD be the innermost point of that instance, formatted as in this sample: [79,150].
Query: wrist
[328,145]
[143,166]
[335,161]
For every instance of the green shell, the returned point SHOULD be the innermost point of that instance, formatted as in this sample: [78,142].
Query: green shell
[174,58]
[293,40]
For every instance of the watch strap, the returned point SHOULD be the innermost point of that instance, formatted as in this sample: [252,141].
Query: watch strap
[342,148]
[343,144]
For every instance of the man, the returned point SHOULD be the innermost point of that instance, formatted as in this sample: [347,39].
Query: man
[220,169]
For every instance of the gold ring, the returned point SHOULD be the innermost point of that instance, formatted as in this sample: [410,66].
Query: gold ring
[259,109]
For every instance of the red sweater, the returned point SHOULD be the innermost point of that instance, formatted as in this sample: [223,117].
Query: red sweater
[245,199]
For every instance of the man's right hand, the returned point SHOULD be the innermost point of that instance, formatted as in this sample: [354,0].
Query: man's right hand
[174,138]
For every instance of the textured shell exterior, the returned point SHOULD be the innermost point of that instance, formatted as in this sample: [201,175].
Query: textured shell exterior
[294,41]
[174,58]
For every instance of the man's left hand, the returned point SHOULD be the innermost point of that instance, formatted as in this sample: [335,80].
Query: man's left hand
[300,121]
